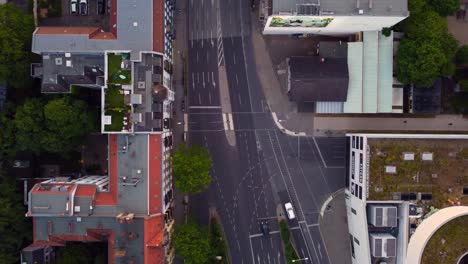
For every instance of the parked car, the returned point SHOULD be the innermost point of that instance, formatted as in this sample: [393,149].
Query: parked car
[83,7]
[74,6]
[289,211]
[101,7]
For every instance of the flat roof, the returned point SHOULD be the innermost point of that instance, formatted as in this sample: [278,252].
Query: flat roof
[135,25]
[438,182]
[345,7]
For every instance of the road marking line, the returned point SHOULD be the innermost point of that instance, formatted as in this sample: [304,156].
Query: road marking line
[225,122]
[319,152]
[199,98]
[205,107]
[185,122]
[209,96]
[203,75]
[240,98]
[251,250]
[237,80]
[231,122]
[234,57]
[259,235]
[312,225]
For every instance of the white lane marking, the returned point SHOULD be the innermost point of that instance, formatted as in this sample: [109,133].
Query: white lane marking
[225,122]
[203,75]
[193,81]
[240,98]
[209,97]
[185,122]
[237,79]
[213,80]
[260,234]
[312,225]
[231,122]
[269,261]
[238,245]
[199,99]
[234,57]
[205,107]
[251,250]
[319,152]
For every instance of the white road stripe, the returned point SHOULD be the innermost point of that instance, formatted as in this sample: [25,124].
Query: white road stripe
[205,107]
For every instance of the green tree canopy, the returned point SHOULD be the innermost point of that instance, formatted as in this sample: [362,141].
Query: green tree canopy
[7,133]
[444,7]
[14,229]
[191,242]
[461,56]
[67,122]
[448,69]
[29,124]
[16,29]
[191,167]
[73,253]
[425,49]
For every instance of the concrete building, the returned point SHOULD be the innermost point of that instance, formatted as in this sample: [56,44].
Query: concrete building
[396,183]
[331,17]
[129,208]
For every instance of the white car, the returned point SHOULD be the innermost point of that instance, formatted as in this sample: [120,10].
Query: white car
[74,6]
[289,211]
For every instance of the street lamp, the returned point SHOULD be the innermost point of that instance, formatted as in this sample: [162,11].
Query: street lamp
[296,260]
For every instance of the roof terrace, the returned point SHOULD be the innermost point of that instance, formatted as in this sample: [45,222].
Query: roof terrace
[432,172]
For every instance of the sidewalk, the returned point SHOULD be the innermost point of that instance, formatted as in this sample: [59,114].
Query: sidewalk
[179,57]
[277,100]
[334,229]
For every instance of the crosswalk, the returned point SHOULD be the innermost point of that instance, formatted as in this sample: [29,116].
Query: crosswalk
[228,122]
[220,41]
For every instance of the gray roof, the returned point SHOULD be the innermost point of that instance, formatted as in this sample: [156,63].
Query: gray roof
[57,76]
[345,7]
[333,49]
[134,32]
[312,81]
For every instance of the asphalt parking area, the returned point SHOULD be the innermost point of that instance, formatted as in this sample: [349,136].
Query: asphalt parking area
[264,249]
[92,19]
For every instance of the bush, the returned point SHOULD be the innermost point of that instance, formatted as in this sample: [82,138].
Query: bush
[463,85]
[386,31]
[461,56]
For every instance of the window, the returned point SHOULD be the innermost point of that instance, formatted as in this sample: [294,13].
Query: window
[360,192]
[353,211]
[361,143]
[356,241]
[354,141]
[352,245]
[357,142]
[356,190]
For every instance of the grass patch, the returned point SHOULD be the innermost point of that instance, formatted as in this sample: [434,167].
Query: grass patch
[218,243]
[289,250]
[114,99]
[117,118]
[114,70]
[448,243]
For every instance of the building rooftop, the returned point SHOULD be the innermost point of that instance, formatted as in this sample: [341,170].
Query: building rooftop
[341,7]
[59,71]
[428,171]
[315,79]
[135,25]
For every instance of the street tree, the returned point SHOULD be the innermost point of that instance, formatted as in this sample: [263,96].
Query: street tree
[191,242]
[29,126]
[7,133]
[448,69]
[16,29]
[191,168]
[14,230]
[73,254]
[425,49]
[461,57]
[444,7]
[67,121]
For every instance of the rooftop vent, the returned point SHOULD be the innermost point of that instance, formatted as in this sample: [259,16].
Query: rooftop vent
[135,24]
[383,216]
[428,156]
[383,245]
[58,61]
[408,155]
[361,12]
[390,169]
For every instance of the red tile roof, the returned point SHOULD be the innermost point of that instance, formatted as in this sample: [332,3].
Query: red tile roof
[158,26]
[67,30]
[85,191]
[110,198]
[154,181]
[154,235]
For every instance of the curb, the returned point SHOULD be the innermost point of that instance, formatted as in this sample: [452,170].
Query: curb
[328,200]
[284,130]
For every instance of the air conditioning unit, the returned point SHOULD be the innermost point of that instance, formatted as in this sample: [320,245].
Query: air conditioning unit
[383,216]
[383,245]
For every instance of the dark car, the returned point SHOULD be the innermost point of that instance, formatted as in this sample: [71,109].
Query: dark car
[101,9]
[83,7]
[265,228]
[182,106]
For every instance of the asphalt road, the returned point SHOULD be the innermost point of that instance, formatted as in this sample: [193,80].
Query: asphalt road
[264,168]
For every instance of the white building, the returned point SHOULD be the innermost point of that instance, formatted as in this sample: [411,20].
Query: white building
[333,17]
[388,193]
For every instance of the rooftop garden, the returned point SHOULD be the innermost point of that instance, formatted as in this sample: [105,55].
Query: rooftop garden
[448,243]
[444,177]
[117,70]
[116,108]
